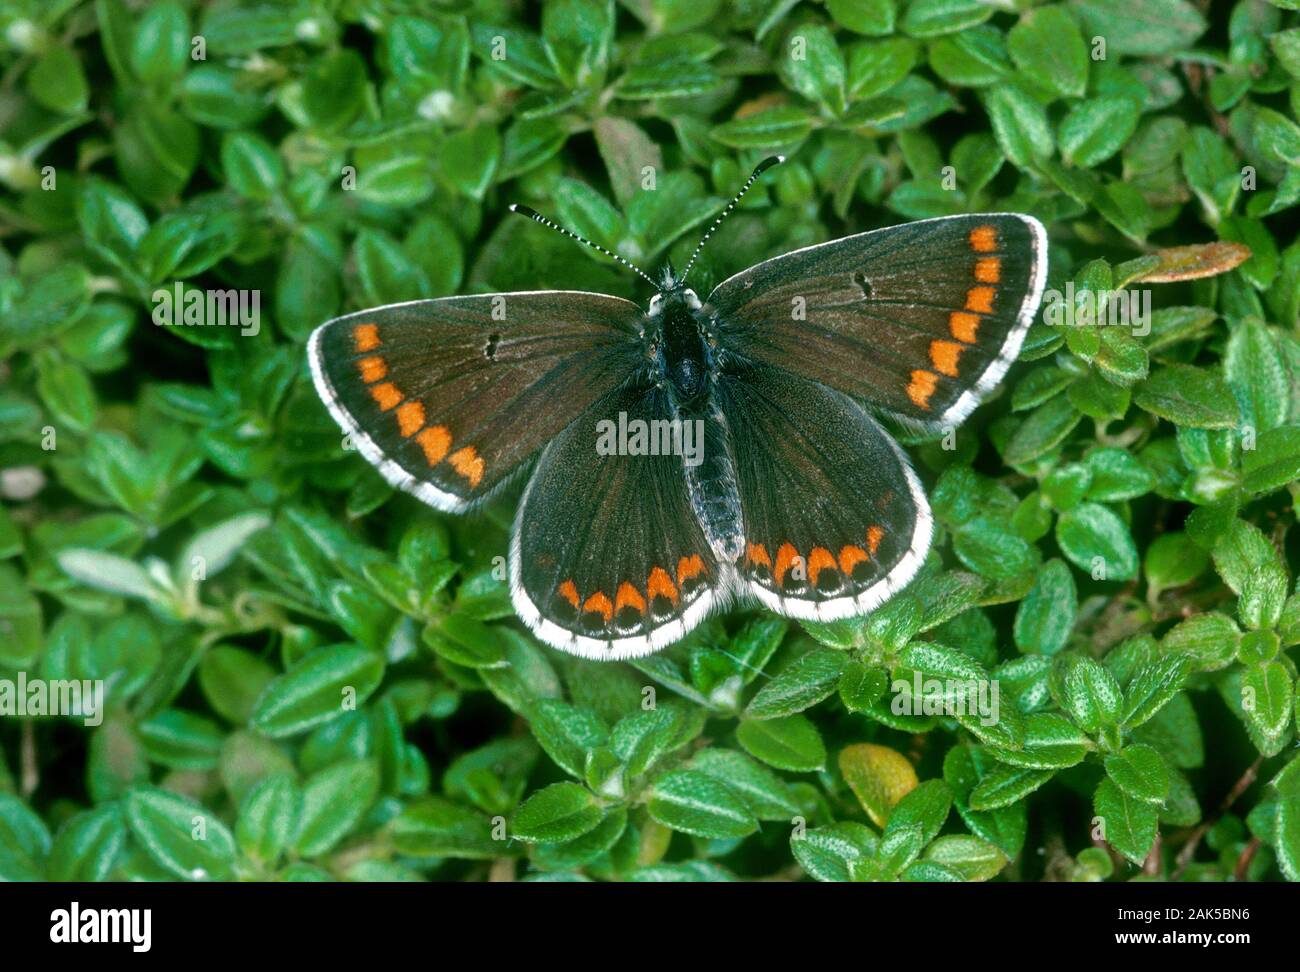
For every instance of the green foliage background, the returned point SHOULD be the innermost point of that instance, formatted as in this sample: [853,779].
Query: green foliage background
[1115,540]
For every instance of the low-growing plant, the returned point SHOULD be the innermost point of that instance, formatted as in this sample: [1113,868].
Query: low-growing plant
[306,675]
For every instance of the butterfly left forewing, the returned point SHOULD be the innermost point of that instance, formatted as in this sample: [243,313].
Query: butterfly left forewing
[835,520]
[919,320]
[450,397]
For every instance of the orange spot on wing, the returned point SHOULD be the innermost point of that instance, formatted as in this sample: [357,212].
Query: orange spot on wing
[964,326]
[922,387]
[689,567]
[850,557]
[372,369]
[661,585]
[984,239]
[629,596]
[988,270]
[874,535]
[756,554]
[410,419]
[435,441]
[599,604]
[944,355]
[786,555]
[365,337]
[569,591]
[980,299]
[819,559]
[386,396]
[468,463]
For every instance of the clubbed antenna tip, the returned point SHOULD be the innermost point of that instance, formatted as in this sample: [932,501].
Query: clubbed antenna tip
[762,167]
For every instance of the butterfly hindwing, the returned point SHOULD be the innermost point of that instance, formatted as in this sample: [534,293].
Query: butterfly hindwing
[607,559]
[835,520]
[919,320]
[449,397]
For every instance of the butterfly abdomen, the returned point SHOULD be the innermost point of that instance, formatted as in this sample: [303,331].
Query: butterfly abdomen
[711,484]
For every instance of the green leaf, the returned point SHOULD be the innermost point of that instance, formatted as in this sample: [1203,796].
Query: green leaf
[771,128]
[1007,785]
[87,846]
[1096,129]
[925,807]
[160,50]
[58,82]
[557,813]
[791,743]
[696,803]
[269,818]
[1050,742]
[1091,695]
[1046,615]
[1153,687]
[1156,27]
[974,859]
[1274,462]
[1050,51]
[179,835]
[875,18]
[321,687]
[1139,771]
[930,18]
[469,158]
[1098,542]
[24,841]
[334,801]
[1191,397]
[814,66]
[1019,124]
[766,794]
[829,853]
[810,679]
[1268,698]
[1128,824]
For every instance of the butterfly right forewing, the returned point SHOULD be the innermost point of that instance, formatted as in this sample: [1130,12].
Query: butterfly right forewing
[919,320]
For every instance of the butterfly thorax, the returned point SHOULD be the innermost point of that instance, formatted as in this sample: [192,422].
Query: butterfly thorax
[679,344]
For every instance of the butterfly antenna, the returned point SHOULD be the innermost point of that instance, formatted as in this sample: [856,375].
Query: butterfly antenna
[763,166]
[537,217]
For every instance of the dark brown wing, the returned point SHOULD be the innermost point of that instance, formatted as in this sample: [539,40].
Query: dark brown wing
[920,320]
[448,397]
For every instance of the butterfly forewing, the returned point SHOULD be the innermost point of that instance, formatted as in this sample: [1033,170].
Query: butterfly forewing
[449,397]
[835,520]
[608,560]
[919,320]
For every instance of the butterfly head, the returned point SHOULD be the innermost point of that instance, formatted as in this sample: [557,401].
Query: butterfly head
[674,298]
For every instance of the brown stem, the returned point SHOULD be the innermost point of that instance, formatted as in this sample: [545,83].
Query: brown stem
[1241,786]
[31,772]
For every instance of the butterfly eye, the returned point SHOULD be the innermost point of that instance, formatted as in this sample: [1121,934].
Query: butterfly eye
[692,300]
[656,302]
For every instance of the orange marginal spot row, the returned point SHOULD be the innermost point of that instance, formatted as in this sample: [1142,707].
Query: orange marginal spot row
[433,440]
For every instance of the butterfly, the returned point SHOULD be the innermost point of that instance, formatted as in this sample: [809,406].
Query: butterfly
[695,451]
